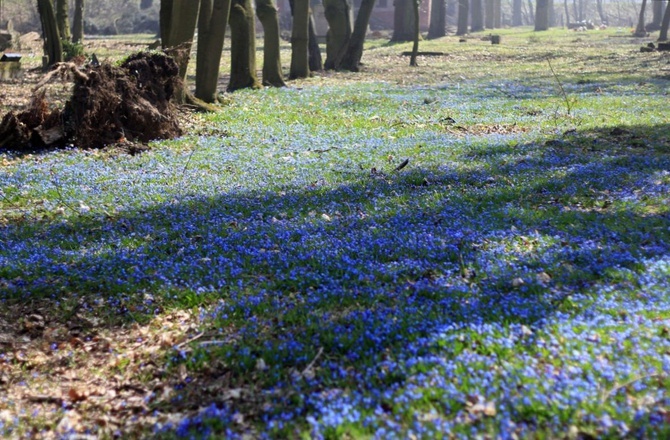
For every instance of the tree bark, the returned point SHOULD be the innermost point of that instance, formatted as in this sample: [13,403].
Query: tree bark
[437,28]
[62,19]
[266,11]
[665,24]
[497,14]
[338,13]
[477,17]
[462,25]
[352,58]
[567,14]
[488,14]
[640,30]
[656,15]
[242,46]
[300,40]
[78,22]
[212,22]
[542,15]
[53,48]
[516,13]
[601,12]
[417,33]
[315,61]
[403,21]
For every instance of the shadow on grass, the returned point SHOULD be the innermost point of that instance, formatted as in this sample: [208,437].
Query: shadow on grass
[358,272]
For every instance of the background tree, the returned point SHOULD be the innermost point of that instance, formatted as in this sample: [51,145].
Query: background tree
[640,30]
[664,25]
[489,22]
[338,15]
[242,46]
[78,22]
[601,11]
[212,22]
[352,58]
[437,27]
[266,11]
[542,15]
[462,24]
[62,19]
[477,17]
[53,47]
[417,33]
[315,61]
[656,15]
[403,21]
[517,18]
[300,40]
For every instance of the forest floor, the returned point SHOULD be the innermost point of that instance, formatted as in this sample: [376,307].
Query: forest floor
[478,246]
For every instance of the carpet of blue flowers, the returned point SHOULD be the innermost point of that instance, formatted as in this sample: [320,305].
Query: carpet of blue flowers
[512,280]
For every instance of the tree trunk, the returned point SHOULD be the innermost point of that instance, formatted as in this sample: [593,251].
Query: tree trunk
[488,14]
[640,30]
[266,11]
[462,26]
[477,16]
[212,22]
[657,15]
[338,15]
[601,12]
[78,22]
[315,62]
[403,21]
[437,28]
[664,24]
[417,34]
[53,48]
[242,46]
[497,14]
[516,13]
[531,11]
[300,40]
[542,15]
[352,58]
[62,19]
[567,14]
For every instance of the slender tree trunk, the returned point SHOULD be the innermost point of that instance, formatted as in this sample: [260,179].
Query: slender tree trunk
[664,24]
[437,28]
[403,21]
[517,19]
[315,61]
[531,12]
[601,12]
[542,15]
[53,48]
[477,17]
[78,22]
[488,14]
[178,20]
[62,19]
[656,15]
[242,46]
[497,14]
[417,34]
[640,30]
[352,58]
[338,15]
[266,11]
[300,40]
[462,27]
[567,14]
[212,22]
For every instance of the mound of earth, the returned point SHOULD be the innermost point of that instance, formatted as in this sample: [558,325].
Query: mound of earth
[109,105]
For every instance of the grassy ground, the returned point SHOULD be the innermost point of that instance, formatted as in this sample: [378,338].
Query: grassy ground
[477,246]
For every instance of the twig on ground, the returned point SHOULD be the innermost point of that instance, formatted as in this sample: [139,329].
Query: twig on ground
[311,364]
[614,390]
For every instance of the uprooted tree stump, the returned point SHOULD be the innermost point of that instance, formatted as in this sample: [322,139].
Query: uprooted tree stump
[109,104]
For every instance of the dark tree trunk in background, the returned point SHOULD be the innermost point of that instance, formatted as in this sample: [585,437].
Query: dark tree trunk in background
[656,15]
[542,15]
[266,11]
[640,30]
[63,20]
[517,19]
[601,11]
[78,22]
[665,23]
[567,14]
[462,26]
[437,26]
[417,33]
[488,15]
[242,46]
[315,61]
[177,23]
[403,21]
[497,14]
[352,58]
[212,22]
[53,48]
[477,18]
[338,15]
[300,40]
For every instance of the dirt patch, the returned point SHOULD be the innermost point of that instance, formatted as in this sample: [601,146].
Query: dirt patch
[109,105]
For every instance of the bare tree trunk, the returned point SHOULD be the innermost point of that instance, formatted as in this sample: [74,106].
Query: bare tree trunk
[78,22]
[437,26]
[242,46]
[542,15]
[53,48]
[497,14]
[477,17]
[403,21]
[601,11]
[462,27]
[338,13]
[62,19]
[300,40]
[212,22]
[531,12]
[315,61]
[664,24]
[417,34]
[567,14]
[488,15]
[266,11]
[516,13]
[177,32]
[352,59]
[657,15]
[640,30]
